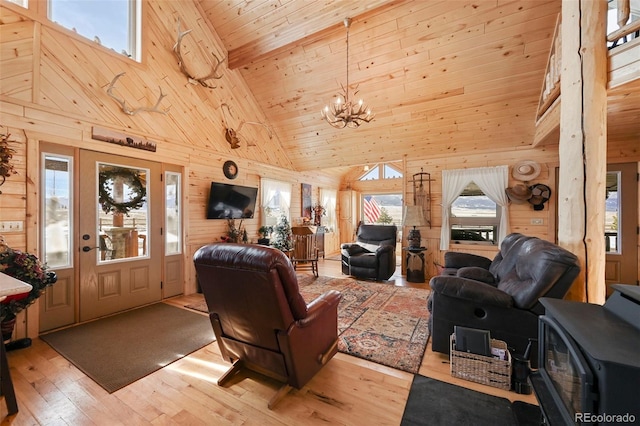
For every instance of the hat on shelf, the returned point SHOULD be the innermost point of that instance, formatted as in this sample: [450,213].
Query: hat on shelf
[540,194]
[526,170]
[519,194]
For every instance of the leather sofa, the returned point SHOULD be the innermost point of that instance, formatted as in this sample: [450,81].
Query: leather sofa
[373,254]
[260,320]
[500,295]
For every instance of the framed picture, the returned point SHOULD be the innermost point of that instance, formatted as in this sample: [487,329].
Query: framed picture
[306,200]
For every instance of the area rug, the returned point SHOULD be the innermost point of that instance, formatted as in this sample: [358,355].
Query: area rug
[379,322]
[433,402]
[118,350]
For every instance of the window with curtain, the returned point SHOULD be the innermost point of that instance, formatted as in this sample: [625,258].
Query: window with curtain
[328,201]
[275,201]
[491,182]
[474,217]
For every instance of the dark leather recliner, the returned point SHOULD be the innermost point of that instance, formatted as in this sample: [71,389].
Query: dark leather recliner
[373,255]
[260,320]
[500,295]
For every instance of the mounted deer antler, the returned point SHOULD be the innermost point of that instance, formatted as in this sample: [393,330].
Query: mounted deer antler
[130,111]
[242,123]
[232,135]
[193,80]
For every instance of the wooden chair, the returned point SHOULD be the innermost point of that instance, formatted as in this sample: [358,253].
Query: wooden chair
[305,249]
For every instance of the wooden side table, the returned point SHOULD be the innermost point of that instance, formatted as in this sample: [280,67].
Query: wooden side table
[415,263]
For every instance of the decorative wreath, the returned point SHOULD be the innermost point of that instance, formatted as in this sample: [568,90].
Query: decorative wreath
[132,179]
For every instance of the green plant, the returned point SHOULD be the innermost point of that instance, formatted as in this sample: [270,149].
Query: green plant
[282,239]
[25,267]
[265,231]
[384,217]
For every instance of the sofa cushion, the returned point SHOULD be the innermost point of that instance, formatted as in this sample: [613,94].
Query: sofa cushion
[365,260]
[370,248]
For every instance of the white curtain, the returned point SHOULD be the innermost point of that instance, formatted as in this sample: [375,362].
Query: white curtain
[328,199]
[491,180]
[270,188]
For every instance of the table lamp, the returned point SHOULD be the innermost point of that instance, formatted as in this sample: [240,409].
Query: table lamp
[414,216]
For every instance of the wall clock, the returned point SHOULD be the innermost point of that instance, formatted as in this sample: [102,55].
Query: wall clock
[230,169]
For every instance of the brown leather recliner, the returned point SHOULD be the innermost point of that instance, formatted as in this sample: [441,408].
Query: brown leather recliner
[260,320]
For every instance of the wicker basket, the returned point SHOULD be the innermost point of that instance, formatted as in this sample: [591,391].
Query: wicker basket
[482,369]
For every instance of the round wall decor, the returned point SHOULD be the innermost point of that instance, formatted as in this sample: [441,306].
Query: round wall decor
[230,169]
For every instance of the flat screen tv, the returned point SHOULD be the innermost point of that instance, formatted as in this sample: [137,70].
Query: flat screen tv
[231,201]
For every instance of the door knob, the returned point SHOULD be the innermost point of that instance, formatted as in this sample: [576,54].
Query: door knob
[87,248]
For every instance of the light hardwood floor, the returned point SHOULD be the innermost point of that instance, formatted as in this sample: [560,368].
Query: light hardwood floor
[347,391]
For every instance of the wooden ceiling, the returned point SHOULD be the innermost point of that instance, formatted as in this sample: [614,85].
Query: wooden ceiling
[443,77]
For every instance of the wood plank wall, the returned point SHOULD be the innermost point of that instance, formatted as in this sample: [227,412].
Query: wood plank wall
[53,89]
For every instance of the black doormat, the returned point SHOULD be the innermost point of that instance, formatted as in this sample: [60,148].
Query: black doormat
[432,402]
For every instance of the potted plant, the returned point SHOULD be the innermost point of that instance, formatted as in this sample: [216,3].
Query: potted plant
[235,234]
[6,154]
[318,212]
[265,232]
[24,267]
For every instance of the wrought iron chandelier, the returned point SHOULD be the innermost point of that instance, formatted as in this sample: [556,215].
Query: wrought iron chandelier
[343,112]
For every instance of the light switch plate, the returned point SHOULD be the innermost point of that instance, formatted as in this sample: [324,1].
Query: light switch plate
[11,226]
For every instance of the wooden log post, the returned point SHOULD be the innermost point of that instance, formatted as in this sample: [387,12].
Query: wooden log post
[583,143]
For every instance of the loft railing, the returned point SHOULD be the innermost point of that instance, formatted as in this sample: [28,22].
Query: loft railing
[627,30]
[626,27]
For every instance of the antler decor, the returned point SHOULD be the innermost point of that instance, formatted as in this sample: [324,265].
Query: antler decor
[193,80]
[130,111]
[232,135]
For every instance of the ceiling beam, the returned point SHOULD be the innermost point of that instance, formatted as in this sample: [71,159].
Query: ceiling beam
[283,40]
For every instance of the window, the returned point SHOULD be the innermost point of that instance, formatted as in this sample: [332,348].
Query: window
[22,3]
[173,215]
[328,201]
[612,214]
[474,217]
[56,210]
[276,201]
[471,216]
[384,171]
[115,24]
[384,209]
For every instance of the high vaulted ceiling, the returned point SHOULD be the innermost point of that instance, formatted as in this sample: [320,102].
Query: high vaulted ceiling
[443,77]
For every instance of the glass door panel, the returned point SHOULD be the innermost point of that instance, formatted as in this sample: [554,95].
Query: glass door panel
[173,219]
[123,216]
[57,210]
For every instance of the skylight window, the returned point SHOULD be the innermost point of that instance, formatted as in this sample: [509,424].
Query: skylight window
[22,3]
[384,171]
[114,24]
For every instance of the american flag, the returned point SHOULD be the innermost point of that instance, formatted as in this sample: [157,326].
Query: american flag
[371,209]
